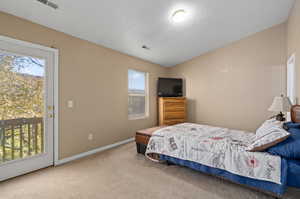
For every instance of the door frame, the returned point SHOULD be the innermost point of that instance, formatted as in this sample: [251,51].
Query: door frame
[55,87]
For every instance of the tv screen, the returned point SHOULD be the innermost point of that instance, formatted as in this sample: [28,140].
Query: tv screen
[169,87]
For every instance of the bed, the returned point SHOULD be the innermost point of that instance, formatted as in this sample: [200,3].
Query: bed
[222,152]
[293,175]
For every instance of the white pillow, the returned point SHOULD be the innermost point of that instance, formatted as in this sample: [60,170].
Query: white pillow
[265,128]
[273,135]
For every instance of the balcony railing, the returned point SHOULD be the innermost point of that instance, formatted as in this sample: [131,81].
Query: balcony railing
[21,138]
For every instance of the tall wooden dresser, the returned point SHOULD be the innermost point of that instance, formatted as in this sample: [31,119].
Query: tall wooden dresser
[172,110]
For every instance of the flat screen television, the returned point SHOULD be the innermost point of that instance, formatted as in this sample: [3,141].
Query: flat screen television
[169,87]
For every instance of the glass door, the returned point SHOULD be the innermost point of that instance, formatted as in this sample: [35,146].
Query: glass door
[26,109]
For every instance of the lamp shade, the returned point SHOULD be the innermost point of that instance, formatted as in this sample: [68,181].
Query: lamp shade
[281,104]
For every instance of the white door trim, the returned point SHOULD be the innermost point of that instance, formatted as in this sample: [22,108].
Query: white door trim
[56,87]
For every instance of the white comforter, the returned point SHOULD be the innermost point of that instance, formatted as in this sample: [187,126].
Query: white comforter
[216,147]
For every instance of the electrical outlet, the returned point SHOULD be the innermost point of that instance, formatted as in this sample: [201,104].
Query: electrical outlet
[90,137]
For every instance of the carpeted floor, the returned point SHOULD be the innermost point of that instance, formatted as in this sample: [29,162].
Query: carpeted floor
[120,173]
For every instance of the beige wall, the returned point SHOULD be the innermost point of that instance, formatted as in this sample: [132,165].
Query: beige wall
[234,86]
[96,79]
[230,87]
[293,39]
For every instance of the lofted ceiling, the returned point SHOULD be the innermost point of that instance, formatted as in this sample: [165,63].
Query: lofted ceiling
[127,25]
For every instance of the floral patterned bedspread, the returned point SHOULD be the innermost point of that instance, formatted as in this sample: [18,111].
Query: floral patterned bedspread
[215,147]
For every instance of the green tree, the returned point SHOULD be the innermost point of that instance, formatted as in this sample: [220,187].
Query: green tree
[21,95]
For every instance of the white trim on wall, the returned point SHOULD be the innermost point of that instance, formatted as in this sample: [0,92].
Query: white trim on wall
[88,153]
[56,86]
[56,107]
[27,44]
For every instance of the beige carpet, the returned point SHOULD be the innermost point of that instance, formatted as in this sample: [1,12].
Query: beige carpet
[122,174]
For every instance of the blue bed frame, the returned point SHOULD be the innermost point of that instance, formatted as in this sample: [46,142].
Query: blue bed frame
[273,189]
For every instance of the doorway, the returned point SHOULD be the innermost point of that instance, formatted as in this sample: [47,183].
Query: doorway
[27,107]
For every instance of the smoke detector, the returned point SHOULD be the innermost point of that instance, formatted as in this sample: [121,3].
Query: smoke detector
[49,3]
[145,47]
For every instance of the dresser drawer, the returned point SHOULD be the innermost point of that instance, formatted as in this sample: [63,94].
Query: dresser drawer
[174,109]
[174,115]
[174,104]
[172,122]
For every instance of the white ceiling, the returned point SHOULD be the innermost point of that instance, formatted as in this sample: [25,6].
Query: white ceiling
[127,25]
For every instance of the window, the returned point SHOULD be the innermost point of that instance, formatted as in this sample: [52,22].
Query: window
[137,94]
[291,79]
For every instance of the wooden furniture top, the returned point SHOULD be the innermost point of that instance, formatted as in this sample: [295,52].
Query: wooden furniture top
[143,136]
[179,98]
[149,131]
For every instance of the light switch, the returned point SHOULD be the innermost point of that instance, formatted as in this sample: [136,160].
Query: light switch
[70,104]
[90,137]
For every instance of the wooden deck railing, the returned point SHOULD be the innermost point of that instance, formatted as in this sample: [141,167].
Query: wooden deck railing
[20,138]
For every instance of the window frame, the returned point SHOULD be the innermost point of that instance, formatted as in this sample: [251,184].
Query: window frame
[291,79]
[146,95]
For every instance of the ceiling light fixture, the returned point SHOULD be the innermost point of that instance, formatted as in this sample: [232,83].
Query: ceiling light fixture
[179,16]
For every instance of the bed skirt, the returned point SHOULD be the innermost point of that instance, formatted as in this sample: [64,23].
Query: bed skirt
[270,188]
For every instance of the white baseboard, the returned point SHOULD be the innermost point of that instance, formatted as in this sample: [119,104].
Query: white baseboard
[81,155]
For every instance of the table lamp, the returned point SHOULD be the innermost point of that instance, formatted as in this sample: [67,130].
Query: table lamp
[280,104]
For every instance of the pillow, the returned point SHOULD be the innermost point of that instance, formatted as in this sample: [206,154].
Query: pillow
[263,129]
[291,125]
[273,136]
[290,148]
